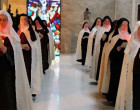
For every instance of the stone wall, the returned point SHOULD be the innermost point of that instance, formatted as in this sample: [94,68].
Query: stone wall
[136,9]
[4,4]
[72,16]
[128,9]
[0,5]
[18,4]
[72,19]
[135,4]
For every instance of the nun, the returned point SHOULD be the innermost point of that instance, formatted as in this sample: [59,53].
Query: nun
[32,54]
[15,91]
[82,43]
[129,90]
[91,40]
[31,23]
[30,20]
[121,36]
[104,72]
[101,38]
[42,30]
[51,55]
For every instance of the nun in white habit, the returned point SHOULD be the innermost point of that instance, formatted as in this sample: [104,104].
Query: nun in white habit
[91,40]
[51,55]
[121,36]
[105,65]
[79,41]
[129,90]
[32,56]
[101,38]
[22,89]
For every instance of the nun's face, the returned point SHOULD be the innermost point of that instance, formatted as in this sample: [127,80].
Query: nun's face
[124,26]
[115,25]
[139,31]
[98,22]
[37,23]
[3,21]
[86,26]
[107,22]
[44,22]
[30,21]
[23,20]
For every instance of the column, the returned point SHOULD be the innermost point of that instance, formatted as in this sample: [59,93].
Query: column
[115,9]
[133,13]
[1,4]
[5,4]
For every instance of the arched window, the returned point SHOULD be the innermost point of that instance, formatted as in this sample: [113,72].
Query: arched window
[139,12]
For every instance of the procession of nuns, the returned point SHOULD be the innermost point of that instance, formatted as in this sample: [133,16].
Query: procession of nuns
[25,55]
[112,52]
[108,48]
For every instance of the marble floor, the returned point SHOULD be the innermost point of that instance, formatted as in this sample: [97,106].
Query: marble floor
[66,87]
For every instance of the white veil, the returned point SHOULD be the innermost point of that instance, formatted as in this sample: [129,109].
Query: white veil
[96,50]
[134,43]
[23,95]
[124,100]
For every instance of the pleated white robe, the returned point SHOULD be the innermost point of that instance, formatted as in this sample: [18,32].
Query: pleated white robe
[78,49]
[35,67]
[36,63]
[124,99]
[96,51]
[51,55]
[89,47]
[104,75]
[23,94]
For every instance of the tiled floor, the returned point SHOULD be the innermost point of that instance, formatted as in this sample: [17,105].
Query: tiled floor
[66,87]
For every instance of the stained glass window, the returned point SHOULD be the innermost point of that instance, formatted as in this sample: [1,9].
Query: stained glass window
[48,10]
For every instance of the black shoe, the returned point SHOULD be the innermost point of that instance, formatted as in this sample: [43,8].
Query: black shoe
[105,94]
[44,72]
[93,83]
[34,97]
[80,60]
[83,64]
